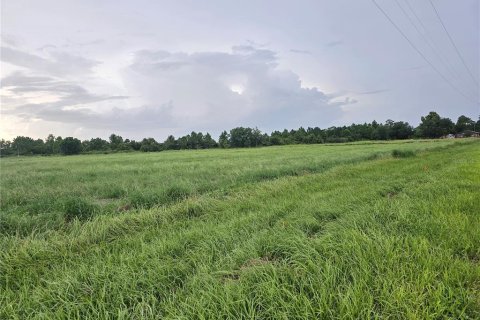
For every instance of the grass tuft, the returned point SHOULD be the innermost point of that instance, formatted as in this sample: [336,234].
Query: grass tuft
[78,208]
[403,153]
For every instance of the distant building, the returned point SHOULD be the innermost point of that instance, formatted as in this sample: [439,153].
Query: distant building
[470,133]
[464,134]
[467,133]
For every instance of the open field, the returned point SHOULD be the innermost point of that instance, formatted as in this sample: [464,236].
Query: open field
[294,232]
[38,192]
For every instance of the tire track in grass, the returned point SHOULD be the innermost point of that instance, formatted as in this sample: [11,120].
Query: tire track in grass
[254,218]
[15,223]
[201,229]
[267,262]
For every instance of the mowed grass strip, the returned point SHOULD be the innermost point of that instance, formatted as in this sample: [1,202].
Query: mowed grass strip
[390,238]
[38,194]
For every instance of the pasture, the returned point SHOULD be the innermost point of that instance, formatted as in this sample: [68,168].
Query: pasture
[343,231]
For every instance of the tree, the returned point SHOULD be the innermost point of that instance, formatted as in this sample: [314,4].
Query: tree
[98,144]
[381,132]
[50,144]
[134,145]
[400,130]
[434,126]
[208,141]
[223,140]
[150,145]
[257,138]
[464,123]
[241,137]
[26,145]
[170,143]
[116,142]
[5,148]
[70,146]
[276,138]
[446,126]
[300,135]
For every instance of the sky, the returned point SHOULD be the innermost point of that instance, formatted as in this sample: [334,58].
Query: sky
[89,68]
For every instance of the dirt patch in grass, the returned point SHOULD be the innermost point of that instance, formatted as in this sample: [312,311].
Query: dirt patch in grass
[391,194]
[124,208]
[247,265]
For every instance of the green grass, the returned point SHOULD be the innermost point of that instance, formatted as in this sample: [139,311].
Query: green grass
[403,153]
[296,232]
[35,191]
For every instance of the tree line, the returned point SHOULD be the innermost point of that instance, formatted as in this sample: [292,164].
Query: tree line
[431,126]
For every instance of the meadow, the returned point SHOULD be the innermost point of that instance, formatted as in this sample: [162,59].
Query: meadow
[341,231]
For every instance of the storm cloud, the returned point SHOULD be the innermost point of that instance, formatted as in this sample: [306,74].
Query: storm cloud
[154,68]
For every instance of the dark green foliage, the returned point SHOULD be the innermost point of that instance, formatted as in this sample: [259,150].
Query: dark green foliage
[70,146]
[23,146]
[432,126]
[150,145]
[116,142]
[464,123]
[246,137]
[97,144]
[194,140]
[223,140]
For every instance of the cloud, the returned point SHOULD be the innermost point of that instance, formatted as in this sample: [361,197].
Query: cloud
[414,68]
[115,119]
[51,87]
[57,63]
[64,93]
[373,92]
[8,39]
[300,51]
[334,43]
[178,91]
[225,89]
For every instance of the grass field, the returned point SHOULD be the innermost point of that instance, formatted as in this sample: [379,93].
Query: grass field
[365,230]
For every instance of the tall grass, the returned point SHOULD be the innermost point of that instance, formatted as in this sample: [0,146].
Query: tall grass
[34,189]
[382,238]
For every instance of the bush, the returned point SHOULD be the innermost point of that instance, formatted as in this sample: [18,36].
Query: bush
[403,153]
[78,208]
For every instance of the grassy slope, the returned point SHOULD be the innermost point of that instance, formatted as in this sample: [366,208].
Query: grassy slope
[384,238]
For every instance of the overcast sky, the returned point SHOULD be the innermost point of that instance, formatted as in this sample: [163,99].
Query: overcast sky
[143,68]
